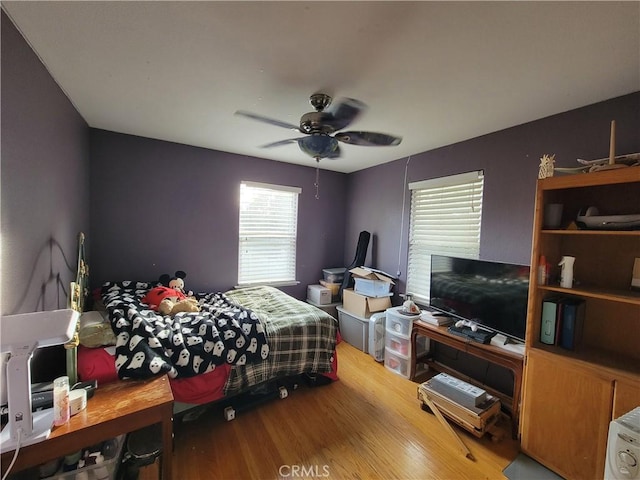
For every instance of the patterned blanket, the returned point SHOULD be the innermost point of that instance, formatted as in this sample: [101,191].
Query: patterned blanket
[187,344]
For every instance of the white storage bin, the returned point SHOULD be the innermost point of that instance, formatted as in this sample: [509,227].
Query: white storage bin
[106,470]
[371,283]
[399,323]
[372,288]
[333,275]
[397,363]
[354,329]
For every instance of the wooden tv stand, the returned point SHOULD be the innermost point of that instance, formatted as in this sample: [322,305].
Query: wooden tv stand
[500,356]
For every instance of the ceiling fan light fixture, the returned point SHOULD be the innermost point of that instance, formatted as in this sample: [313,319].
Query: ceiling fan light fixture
[318,146]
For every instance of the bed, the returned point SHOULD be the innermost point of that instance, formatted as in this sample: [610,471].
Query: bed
[239,341]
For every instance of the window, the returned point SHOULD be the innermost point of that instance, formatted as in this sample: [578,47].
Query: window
[267,234]
[445,220]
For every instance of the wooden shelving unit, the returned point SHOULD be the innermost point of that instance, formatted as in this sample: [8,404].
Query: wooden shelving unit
[570,396]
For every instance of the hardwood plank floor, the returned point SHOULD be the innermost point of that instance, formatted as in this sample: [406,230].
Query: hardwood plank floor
[368,425]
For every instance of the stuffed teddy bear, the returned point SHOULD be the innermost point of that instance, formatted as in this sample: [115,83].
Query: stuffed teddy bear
[169,307]
[170,299]
[158,294]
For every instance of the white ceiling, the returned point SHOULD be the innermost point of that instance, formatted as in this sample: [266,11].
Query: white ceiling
[435,73]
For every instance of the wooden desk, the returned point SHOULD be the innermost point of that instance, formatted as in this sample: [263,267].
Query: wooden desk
[115,409]
[500,356]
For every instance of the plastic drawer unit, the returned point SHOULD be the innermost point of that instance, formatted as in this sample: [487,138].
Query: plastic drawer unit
[397,345]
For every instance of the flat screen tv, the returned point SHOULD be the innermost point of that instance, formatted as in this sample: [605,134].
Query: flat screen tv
[491,294]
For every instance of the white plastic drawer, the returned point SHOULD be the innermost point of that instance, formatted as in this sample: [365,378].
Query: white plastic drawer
[397,343]
[397,363]
[398,323]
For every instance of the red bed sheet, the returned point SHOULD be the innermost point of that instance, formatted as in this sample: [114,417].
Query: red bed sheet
[98,364]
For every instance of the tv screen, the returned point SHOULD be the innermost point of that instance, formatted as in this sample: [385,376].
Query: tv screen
[491,294]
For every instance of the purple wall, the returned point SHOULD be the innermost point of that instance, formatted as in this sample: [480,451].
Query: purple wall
[158,207]
[510,160]
[45,191]
[45,181]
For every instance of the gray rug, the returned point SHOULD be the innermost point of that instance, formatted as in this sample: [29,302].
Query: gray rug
[526,468]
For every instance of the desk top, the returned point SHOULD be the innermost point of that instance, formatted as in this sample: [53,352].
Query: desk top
[114,409]
[116,400]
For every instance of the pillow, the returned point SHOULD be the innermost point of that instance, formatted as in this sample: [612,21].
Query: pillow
[97,364]
[95,330]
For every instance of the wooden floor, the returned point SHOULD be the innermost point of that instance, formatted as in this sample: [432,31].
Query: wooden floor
[368,425]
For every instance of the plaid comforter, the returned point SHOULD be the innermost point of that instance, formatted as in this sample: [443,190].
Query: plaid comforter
[301,337]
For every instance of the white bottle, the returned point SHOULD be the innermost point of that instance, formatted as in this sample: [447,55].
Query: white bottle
[566,275]
[61,410]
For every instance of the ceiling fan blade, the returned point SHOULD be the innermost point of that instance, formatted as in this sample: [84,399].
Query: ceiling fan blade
[271,121]
[281,142]
[368,139]
[342,113]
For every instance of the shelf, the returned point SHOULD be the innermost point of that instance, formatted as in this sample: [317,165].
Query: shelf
[605,177]
[608,233]
[617,365]
[623,296]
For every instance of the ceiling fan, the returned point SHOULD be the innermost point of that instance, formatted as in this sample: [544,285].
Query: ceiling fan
[320,128]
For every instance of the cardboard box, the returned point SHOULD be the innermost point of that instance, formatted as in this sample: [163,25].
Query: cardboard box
[319,294]
[371,283]
[363,306]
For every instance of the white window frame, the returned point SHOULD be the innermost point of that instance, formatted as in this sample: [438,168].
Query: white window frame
[446,215]
[267,234]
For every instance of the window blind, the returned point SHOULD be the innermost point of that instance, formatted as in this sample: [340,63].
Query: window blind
[445,219]
[267,233]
